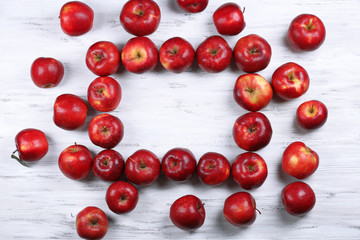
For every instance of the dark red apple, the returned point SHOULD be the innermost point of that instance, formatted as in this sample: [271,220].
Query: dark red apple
[92,223]
[76,18]
[298,198]
[47,72]
[306,32]
[106,130]
[252,92]
[178,164]
[213,169]
[140,17]
[103,58]
[252,53]
[252,131]
[229,19]
[193,6]
[187,212]
[214,54]
[69,111]
[108,165]
[121,197]
[311,114]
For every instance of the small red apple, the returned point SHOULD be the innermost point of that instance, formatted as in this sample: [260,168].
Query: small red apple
[193,6]
[311,114]
[108,165]
[178,164]
[122,197]
[187,212]
[306,32]
[142,168]
[252,53]
[69,111]
[298,198]
[176,55]
[103,58]
[92,223]
[76,18]
[252,92]
[75,162]
[47,72]
[229,19]
[213,169]
[104,94]
[140,17]
[214,54]
[249,170]
[106,130]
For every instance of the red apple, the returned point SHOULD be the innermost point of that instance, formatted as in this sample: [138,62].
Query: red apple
[306,32]
[31,145]
[229,19]
[178,164]
[187,212]
[108,165]
[104,94]
[106,130]
[311,114]
[193,6]
[252,53]
[142,168]
[76,18]
[249,170]
[299,160]
[103,58]
[47,72]
[75,162]
[122,197]
[213,169]
[69,111]
[252,92]
[214,54]
[139,55]
[140,17]
[92,223]
[176,55]
[290,81]
[252,131]
[298,198]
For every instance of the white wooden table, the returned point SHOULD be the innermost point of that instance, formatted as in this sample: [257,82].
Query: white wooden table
[161,110]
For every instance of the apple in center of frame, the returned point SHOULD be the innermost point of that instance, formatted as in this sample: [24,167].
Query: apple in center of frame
[311,114]
[121,197]
[213,169]
[108,165]
[47,72]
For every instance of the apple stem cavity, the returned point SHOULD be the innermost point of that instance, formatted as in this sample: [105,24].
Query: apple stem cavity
[98,57]
[18,159]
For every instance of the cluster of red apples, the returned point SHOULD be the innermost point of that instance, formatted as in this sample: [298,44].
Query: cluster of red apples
[251,131]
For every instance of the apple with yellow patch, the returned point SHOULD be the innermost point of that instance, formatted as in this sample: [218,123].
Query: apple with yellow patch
[311,114]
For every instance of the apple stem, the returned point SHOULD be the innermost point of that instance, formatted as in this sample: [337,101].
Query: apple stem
[18,159]
[258,211]
[243,11]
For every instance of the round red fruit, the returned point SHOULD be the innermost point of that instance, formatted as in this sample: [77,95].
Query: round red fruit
[47,72]
[76,18]
[108,165]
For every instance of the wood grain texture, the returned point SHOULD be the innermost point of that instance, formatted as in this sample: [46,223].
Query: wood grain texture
[161,110]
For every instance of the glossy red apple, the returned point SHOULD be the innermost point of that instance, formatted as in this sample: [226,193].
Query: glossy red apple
[249,170]
[252,53]
[75,162]
[108,165]
[176,55]
[178,164]
[252,131]
[92,223]
[140,17]
[213,169]
[311,114]
[187,212]
[298,198]
[193,6]
[214,54]
[122,197]
[142,168]
[252,92]
[240,209]
[69,111]
[306,32]
[47,72]
[229,19]
[76,18]
[106,130]
[290,81]
[103,58]
[139,55]
[104,94]
[31,145]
